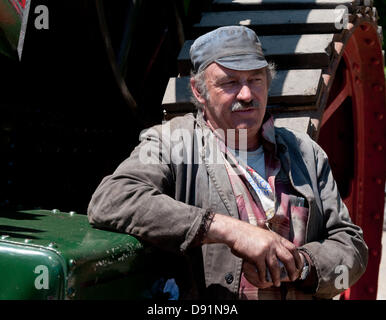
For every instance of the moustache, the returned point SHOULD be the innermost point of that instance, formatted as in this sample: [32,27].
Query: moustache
[237,106]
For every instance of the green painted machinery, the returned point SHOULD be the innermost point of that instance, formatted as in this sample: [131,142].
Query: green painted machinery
[56,255]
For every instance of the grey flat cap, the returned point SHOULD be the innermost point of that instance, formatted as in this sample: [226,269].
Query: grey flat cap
[233,47]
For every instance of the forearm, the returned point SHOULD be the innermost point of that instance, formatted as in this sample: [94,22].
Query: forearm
[138,199]
[220,230]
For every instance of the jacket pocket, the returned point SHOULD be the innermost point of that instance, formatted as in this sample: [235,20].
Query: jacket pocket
[298,219]
[290,219]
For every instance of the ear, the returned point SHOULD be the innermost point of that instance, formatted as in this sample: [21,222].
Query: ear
[195,91]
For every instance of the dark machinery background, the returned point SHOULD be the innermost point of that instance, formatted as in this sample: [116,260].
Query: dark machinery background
[64,123]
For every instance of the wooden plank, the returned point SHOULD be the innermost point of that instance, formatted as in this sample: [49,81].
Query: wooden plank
[295,122]
[177,97]
[295,86]
[288,52]
[219,5]
[275,21]
[289,87]
[171,115]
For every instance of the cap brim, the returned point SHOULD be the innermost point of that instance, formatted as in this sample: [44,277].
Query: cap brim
[244,62]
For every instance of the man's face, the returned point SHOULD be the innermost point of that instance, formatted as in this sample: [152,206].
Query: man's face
[237,99]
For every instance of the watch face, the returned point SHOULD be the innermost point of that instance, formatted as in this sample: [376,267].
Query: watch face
[304,273]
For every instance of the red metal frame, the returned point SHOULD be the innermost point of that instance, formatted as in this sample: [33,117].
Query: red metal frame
[362,80]
[19,5]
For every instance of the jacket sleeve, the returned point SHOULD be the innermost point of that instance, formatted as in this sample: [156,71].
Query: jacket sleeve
[138,198]
[341,257]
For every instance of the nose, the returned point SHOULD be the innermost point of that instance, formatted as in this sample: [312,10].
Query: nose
[245,93]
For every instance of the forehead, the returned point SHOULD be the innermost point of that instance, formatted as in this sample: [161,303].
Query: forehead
[215,71]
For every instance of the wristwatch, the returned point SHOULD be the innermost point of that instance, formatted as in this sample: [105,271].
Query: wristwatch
[305,269]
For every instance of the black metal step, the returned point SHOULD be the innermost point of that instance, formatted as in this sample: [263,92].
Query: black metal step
[287,52]
[232,5]
[275,22]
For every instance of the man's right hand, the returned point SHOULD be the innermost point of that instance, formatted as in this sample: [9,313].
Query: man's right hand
[260,247]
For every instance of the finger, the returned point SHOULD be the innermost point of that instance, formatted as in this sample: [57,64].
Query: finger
[250,273]
[274,270]
[291,259]
[298,259]
[288,261]
[257,283]
[294,251]
[261,270]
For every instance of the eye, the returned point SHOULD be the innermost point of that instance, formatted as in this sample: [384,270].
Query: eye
[229,82]
[256,80]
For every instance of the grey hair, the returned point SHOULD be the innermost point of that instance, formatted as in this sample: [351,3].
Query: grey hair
[199,79]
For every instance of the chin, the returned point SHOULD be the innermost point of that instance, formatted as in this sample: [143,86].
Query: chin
[251,124]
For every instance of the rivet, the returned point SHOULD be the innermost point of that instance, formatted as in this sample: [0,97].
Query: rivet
[356,67]
[72,213]
[55,211]
[375,61]
[379,181]
[374,252]
[380,116]
[27,241]
[378,87]
[371,289]
[365,27]
[369,42]
[72,262]
[358,81]
[377,216]
[379,147]
[53,245]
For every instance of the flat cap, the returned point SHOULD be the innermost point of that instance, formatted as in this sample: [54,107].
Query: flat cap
[233,47]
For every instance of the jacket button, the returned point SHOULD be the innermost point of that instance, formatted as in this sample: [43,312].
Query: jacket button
[229,278]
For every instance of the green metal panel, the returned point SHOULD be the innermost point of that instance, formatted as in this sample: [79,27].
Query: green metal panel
[23,268]
[81,262]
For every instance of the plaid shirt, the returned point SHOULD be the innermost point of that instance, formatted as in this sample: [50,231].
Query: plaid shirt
[290,213]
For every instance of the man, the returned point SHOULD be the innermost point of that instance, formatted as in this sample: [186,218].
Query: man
[253,209]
